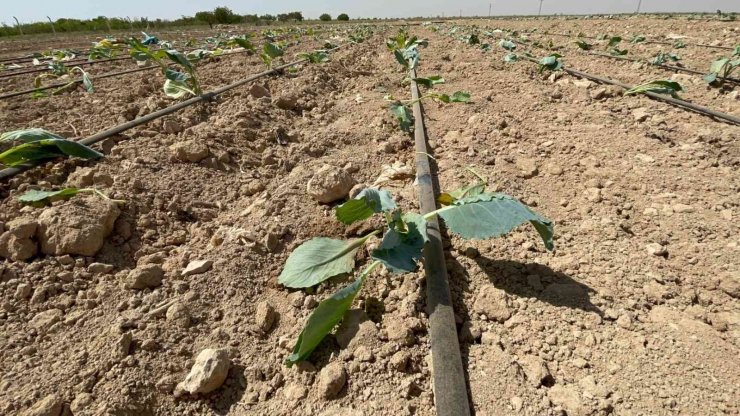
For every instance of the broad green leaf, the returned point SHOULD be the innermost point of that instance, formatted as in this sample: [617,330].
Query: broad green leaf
[511,57]
[324,318]
[178,76]
[179,58]
[177,89]
[39,198]
[584,45]
[403,115]
[658,87]
[491,215]
[368,202]
[46,149]
[719,65]
[507,44]
[710,78]
[614,41]
[401,247]
[551,62]
[28,135]
[319,259]
[430,82]
[638,39]
[618,52]
[460,97]
[448,198]
[272,50]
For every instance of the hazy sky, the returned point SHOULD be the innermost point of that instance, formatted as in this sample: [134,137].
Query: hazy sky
[35,10]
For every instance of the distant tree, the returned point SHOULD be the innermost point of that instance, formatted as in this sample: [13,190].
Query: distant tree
[325,17]
[224,15]
[343,16]
[207,17]
[251,18]
[268,18]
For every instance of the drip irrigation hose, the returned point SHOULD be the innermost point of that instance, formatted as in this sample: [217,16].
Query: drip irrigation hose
[450,389]
[660,97]
[207,96]
[93,78]
[78,63]
[663,66]
[657,42]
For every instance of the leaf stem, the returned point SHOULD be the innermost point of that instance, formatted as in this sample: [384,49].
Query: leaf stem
[430,215]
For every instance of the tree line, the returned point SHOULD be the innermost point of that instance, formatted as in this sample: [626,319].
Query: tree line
[219,15]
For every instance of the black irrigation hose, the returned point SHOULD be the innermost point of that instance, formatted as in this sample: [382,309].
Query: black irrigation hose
[207,96]
[663,66]
[657,42]
[78,81]
[450,390]
[660,97]
[44,69]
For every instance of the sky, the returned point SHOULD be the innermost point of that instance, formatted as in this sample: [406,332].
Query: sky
[37,10]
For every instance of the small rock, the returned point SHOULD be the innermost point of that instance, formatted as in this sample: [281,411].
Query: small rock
[356,329]
[78,226]
[100,268]
[148,276]
[23,291]
[123,345]
[517,403]
[640,114]
[81,402]
[400,361]
[178,314]
[286,102]
[493,303]
[535,369]
[331,380]
[171,126]
[656,249]
[583,83]
[197,267]
[295,392]
[398,331]
[329,184]
[42,321]
[50,405]
[258,91]
[363,353]
[527,167]
[264,316]
[625,321]
[731,286]
[190,151]
[567,398]
[683,208]
[208,373]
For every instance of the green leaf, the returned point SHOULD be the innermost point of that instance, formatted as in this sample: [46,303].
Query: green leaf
[638,39]
[507,44]
[46,149]
[401,247]
[614,41]
[28,135]
[431,81]
[511,57]
[368,202]
[584,45]
[272,50]
[325,317]
[460,97]
[177,89]
[178,76]
[319,259]
[618,52]
[179,58]
[551,62]
[448,198]
[658,87]
[403,115]
[87,82]
[491,215]
[39,198]
[710,78]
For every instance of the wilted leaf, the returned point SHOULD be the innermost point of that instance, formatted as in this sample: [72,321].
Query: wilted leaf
[177,89]
[491,215]
[658,87]
[368,202]
[403,115]
[28,135]
[401,248]
[46,149]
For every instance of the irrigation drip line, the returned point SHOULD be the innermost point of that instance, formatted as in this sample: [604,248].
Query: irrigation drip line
[667,67]
[44,69]
[93,78]
[207,96]
[450,390]
[657,42]
[660,97]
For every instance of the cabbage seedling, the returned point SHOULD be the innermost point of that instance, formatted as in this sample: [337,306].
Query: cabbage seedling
[722,68]
[584,45]
[474,214]
[401,109]
[177,84]
[39,144]
[662,57]
[59,72]
[315,57]
[658,87]
[270,51]
[551,62]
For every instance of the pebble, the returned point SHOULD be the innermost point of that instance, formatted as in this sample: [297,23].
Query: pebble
[148,276]
[50,405]
[331,380]
[625,321]
[493,303]
[264,316]
[207,374]
[100,268]
[179,315]
[656,249]
[329,184]
[197,267]
[535,369]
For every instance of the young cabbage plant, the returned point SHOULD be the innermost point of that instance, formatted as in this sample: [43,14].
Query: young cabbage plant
[66,73]
[666,87]
[551,62]
[638,39]
[401,109]
[271,51]
[315,57]
[507,44]
[618,52]
[40,198]
[613,41]
[722,68]
[39,144]
[679,44]
[177,84]
[471,214]
[662,57]
[405,49]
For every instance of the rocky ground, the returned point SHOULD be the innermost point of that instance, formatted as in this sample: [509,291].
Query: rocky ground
[168,303]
